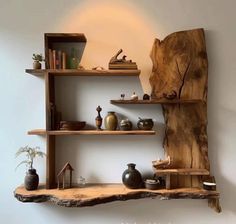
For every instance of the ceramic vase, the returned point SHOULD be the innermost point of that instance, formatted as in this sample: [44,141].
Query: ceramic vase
[31,180]
[131,177]
[111,121]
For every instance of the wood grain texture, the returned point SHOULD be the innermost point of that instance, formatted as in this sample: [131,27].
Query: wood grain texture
[90,132]
[157,101]
[180,65]
[103,193]
[81,72]
[198,172]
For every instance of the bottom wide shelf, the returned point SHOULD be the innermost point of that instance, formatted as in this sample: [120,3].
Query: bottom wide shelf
[94,194]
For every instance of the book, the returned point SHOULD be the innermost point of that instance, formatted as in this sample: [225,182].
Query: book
[50,58]
[54,59]
[59,59]
[63,60]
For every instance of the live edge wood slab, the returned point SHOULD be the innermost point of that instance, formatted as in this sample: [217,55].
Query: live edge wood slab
[103,193]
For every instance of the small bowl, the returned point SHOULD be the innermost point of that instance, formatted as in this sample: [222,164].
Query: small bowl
[72,125]
[209,186]
[152,184]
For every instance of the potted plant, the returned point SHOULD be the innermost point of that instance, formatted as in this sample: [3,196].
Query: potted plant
[31,178]
[38,58]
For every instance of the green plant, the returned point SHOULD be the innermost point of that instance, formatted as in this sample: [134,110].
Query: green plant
[38,57]
[31,154]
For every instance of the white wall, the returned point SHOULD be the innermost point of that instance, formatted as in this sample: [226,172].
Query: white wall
[132,25]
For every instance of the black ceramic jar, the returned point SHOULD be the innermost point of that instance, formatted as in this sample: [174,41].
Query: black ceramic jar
[145,124]
[131,177]
[31,180]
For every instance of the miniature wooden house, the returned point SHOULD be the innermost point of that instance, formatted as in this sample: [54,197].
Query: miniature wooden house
[62,174]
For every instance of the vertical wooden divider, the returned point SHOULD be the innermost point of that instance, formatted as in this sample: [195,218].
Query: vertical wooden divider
[50,139]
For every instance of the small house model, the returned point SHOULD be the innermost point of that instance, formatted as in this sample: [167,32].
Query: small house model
[61,176]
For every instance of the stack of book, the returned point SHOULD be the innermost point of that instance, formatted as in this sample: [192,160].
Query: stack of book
[57,59]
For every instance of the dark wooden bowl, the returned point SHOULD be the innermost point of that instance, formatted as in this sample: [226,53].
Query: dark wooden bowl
[72,125]
[152,186]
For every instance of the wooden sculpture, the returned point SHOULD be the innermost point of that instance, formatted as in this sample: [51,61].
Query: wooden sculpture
[180,70]
[62,175]
[121,63]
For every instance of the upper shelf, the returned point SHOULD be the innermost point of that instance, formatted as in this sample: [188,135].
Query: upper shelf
[90,132]
[159,101]
[82,72]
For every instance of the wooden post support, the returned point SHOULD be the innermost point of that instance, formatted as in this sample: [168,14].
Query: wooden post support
[168,181]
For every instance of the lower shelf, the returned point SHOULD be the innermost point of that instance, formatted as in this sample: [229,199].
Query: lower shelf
[94,194]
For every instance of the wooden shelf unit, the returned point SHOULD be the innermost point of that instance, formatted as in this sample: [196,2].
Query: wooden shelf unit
[90,132]
[82,72]
[185,140]
[103,193]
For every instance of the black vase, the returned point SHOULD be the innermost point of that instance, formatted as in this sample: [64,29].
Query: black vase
[31,180]
[131,177]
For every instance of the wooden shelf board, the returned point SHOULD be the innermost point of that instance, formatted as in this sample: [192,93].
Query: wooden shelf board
[161,101]
[77,72]
[187,171]
[90,132]
[104,193]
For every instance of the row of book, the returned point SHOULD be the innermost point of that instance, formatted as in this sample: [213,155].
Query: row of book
[57,59]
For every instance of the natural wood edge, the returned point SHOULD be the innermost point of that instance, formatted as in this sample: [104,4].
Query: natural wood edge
[80,199]
[185,171]
[82,72]
[90,132]
[160,101]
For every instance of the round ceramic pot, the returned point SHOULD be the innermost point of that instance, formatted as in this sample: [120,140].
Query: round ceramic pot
[145,124]
[111,121]
[37,65]
[131,177]
[126,125]
[31,180]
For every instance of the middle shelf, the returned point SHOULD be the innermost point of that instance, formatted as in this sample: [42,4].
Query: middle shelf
[89,132]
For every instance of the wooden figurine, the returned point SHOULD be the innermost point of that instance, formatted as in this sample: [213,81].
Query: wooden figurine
[161,163]
[121,63]
[62,174]
[99,118]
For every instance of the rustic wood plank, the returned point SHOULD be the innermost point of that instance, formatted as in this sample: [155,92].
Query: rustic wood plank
[103,193]
[90,132]
[180,66]
[80,72]
[157,101]
[186,171]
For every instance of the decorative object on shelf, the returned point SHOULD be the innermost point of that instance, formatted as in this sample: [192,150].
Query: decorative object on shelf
[62,174]
[81,67]
[162,163]
[72,125]
[73,59]
[38,58]
[55,117]
[170,96]
[122,96]
[98,118]
[134,96]
[121,63]
[126,125]
[31,178]
[152,184]
[131,177]
[111,121]
[145,124]
[209,186]
[99,68]
[81,181]
[146,97]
